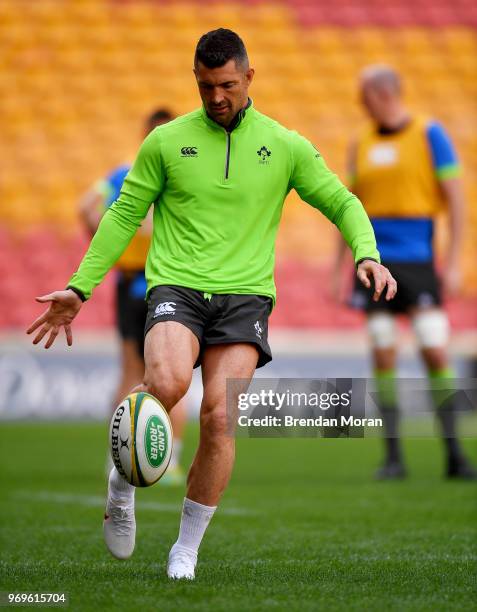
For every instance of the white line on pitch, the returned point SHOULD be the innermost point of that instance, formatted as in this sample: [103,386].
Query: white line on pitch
[96,501]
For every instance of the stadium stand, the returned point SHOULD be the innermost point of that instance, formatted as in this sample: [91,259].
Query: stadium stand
[77,78]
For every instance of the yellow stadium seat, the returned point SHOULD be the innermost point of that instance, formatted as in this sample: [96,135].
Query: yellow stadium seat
[77,79]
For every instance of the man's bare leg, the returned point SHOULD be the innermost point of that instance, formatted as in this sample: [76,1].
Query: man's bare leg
[213,463]
[383,336]
[132,373]
[432,329]
[171,350]
[384,360]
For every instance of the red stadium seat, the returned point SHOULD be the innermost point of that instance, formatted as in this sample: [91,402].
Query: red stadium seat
[77,79]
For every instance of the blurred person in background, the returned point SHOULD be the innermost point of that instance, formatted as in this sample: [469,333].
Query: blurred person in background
[131,306]
[405,171]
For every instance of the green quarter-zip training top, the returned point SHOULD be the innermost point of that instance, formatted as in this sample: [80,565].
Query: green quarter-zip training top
[218,197]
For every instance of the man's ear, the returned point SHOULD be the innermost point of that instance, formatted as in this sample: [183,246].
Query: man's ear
[249,75]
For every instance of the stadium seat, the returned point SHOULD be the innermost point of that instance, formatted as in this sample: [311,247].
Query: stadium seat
[77,79]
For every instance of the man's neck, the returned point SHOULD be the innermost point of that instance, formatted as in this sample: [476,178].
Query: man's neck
[238,117]
[395,123]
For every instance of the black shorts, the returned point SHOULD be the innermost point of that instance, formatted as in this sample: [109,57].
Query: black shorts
[214,318]
[131,307]
[417,285]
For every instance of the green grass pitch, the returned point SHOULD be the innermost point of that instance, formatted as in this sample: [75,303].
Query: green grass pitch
[301,527]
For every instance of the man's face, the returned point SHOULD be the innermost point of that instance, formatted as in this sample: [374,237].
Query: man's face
[376,101]
[224,90]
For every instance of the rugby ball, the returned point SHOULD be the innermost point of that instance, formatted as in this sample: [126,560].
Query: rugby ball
[140,439]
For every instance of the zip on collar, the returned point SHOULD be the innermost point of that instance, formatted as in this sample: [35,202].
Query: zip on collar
[227,154]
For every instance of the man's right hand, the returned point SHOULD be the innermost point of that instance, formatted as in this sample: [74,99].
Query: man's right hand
[64,306]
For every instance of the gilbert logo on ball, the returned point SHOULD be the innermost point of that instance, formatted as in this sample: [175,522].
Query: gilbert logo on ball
[140,439]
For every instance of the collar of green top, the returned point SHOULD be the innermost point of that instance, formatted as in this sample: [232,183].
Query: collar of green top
[241,118]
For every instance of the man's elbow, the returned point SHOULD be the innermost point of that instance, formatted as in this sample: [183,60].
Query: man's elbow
[344,207]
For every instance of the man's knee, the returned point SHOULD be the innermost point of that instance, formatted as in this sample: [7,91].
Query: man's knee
[214,421]
[382,330]
[169,388]
[431,328]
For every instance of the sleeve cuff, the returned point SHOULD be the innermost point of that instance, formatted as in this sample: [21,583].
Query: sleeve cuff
[449,171]
[366,259]
[79,293]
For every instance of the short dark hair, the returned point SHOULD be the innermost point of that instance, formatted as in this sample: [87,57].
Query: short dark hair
[218,47]
[160,115]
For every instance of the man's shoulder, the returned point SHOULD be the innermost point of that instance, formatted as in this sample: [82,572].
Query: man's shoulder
[432,127]
[269,123]
[272,125]
[422,120]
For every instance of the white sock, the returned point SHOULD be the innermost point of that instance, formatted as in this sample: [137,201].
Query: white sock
[176,453]
[194,521]
[121,491]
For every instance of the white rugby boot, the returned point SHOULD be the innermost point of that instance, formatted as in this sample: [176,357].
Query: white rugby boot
[108,466]
[119,526]
[181,563]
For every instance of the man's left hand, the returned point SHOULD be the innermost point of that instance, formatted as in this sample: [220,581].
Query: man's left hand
[369,270]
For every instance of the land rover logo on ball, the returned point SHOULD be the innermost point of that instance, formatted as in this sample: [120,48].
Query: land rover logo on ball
[155,441]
